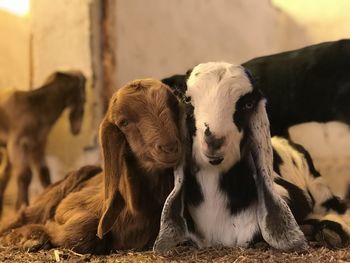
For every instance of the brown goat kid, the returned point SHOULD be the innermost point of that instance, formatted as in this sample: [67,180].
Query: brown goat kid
[26,118]
[93,212]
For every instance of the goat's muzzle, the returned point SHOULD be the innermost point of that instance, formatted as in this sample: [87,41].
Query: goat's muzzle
[168,153]
[213,147]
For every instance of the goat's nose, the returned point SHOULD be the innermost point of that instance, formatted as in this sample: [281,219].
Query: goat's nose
[213,142]
[168,148]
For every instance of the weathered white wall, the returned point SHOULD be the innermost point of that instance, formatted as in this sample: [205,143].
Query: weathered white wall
[14,51]
[157,38]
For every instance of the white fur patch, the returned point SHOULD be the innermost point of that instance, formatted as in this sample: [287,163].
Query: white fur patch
[213,219]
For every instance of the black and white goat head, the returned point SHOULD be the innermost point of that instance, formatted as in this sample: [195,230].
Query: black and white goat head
[229,196]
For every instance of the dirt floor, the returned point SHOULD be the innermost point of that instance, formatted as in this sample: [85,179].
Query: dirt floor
[183,254]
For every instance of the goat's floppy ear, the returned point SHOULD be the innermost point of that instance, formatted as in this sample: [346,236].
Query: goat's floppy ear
[113,145]
[178,83]
[276,222]
[173,226]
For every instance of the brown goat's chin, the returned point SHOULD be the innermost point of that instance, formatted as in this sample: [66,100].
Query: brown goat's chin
[154,164]
[167,163]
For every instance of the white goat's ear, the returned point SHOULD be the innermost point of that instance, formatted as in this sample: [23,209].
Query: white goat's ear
[276,221]
[173,226]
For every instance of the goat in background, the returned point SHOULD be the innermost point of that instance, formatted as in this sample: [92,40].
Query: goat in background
[26,118]
[141,143]
[302,85]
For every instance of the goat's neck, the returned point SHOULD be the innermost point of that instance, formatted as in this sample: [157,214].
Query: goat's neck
[149,188]
[51,99]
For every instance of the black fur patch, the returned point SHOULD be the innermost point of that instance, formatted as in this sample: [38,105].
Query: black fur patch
[297,82]
[335,204]
[239,185]
[277,161]
[193,191]
[307,156]
[190,121]
[242,113]
[297,202]
[250,76]
[177,83]
[173,104]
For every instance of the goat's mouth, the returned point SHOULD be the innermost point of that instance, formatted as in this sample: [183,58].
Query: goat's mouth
[214,160]
[164,160]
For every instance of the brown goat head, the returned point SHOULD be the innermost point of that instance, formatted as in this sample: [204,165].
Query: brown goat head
[73,82]
[140,129]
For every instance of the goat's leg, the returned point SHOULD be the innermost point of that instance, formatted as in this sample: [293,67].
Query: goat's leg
[78,233]
[18,152]
[24,177]
[44,175]
[332,230]
[38,164]
[29,237]
[40,169]
[4,179]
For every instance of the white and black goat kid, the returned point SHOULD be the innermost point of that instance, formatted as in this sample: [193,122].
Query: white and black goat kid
[229,193]
[232,194]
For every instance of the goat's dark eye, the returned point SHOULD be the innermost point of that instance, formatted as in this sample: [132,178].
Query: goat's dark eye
[124,123]
[186,99]
[248,105]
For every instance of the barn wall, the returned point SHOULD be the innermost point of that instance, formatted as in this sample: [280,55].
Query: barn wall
[14,51]
[158,38]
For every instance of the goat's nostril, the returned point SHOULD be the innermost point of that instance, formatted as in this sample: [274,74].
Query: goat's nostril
[207,131]
[214,143]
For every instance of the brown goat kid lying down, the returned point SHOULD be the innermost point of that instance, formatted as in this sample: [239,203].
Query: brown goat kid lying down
[141,144]
[26,118]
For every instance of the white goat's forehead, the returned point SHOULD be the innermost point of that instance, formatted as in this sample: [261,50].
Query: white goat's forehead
[217,85]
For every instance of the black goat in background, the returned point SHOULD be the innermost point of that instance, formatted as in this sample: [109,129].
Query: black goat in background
[303,85]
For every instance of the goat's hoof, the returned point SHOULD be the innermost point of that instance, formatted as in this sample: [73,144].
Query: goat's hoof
[329,238]
[326,233]
[308,231]
[29,238]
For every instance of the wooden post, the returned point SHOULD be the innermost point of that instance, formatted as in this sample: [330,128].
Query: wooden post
[109,45]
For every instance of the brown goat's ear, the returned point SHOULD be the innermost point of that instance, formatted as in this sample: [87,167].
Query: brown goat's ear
[113,145]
